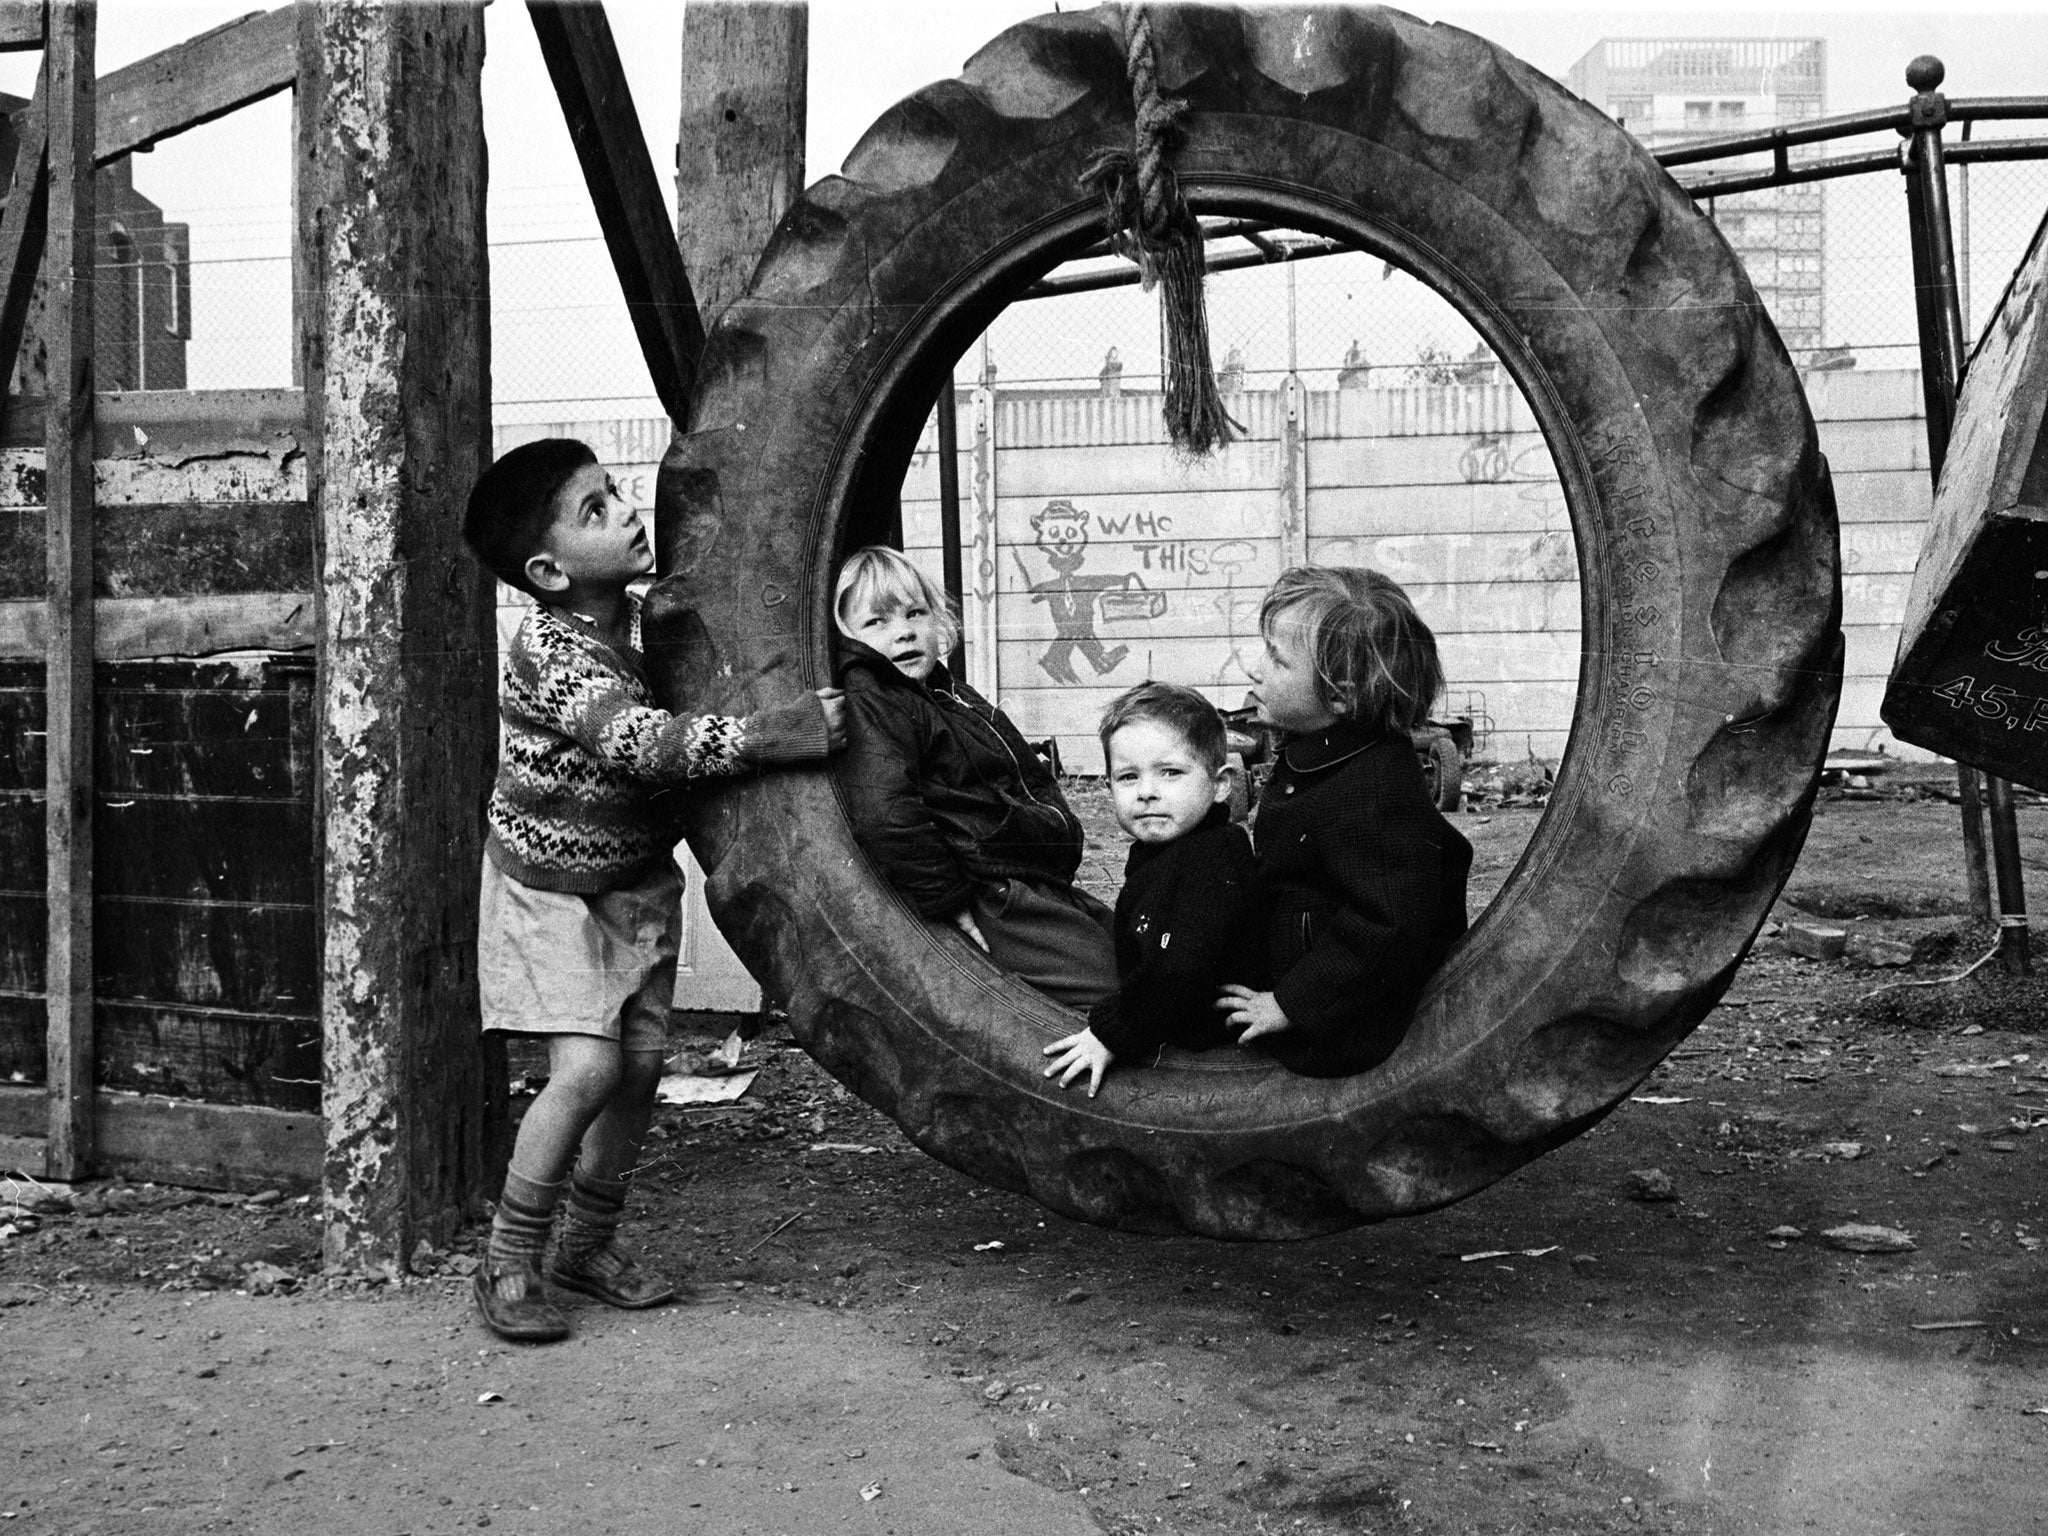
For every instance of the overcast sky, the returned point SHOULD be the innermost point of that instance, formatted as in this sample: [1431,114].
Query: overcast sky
[557,312]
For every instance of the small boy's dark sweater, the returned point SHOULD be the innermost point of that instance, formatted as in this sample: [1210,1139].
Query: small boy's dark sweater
[1361,889]
[1180,922]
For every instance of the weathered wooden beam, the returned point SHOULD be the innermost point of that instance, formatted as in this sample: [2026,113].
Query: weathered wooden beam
[583,61]
[22,24]
[23,232]
[178,1141]
[242,474]
[185,425]
[740,141]
[196,81]
[138,628]
[176,549]
[206,947]
[215,1055]
[68,748]
[1968,681]
[392,168]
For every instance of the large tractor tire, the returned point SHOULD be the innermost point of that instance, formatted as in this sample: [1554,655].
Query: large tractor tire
[1708,565]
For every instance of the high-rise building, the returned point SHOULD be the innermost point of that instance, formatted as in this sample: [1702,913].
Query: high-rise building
[1667,90]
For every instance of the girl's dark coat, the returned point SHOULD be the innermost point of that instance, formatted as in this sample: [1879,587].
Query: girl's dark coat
[944,794]
[1361,888]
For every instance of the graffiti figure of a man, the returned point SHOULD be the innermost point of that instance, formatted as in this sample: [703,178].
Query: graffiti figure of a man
[1062,536]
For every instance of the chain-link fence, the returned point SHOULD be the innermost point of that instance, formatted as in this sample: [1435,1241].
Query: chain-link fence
[1334,314]
[1459,500]
[1468,511]
[562,345]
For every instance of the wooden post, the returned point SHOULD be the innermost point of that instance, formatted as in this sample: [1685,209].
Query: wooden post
[392,147]
[24,227]
[68,74]
[740,143]
[23,25]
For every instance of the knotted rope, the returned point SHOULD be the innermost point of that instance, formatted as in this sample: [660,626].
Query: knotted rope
[1149,223]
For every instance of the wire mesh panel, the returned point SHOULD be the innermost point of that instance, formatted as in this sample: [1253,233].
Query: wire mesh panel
[562,345]
[1101,558]
[1376,430]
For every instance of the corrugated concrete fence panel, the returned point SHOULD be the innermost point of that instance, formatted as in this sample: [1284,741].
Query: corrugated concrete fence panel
[1119,560]
[1451,491]
[1113,560]
[1873,434]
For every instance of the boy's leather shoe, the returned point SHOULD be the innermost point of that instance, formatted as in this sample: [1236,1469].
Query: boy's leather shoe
[515,1306]
[613,1279]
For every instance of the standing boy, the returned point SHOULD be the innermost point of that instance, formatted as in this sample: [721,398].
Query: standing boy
[581,904]
[1187,884]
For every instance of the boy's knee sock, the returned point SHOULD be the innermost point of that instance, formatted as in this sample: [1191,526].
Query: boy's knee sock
[591,1215]
[519,1230]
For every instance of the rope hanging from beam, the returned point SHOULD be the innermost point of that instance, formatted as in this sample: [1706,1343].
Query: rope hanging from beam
[1149,222]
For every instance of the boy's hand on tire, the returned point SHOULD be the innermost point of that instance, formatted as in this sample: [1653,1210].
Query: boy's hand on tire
[1251,1014]
[1077,1055]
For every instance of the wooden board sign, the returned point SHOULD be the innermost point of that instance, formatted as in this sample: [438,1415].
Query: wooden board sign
[1971,679]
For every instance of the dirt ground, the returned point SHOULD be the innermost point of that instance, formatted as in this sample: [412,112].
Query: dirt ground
[876,1344]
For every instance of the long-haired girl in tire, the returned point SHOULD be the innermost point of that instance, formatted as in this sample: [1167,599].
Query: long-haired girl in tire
[955,810]
[1361,882]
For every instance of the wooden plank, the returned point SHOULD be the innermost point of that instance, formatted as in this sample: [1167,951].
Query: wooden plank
[178,729]
[206,954]
[21,1112]
[176,423]
[583,61]
[391,123]
[209,1146]
[139,628]
[22,25]
[210,1055]
[308,318]
[68,67]
[23,233]
[24,1046]
[172,1141]
[248,852]
[1969,681]
[244,958]
[186,549]
[740,139]
[247,957]
[221,472]
[196,81]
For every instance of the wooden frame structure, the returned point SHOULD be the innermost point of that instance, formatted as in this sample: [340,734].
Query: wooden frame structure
[285,844]
[254,960]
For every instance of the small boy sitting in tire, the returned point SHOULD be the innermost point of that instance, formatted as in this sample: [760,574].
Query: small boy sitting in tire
[1187,884]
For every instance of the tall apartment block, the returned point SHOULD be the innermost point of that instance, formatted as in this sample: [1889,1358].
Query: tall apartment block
[1666,90]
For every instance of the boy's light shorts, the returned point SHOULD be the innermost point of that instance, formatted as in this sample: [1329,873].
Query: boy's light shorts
[549,963]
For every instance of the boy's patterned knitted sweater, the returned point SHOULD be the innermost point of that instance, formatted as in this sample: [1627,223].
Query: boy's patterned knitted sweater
[585,753]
